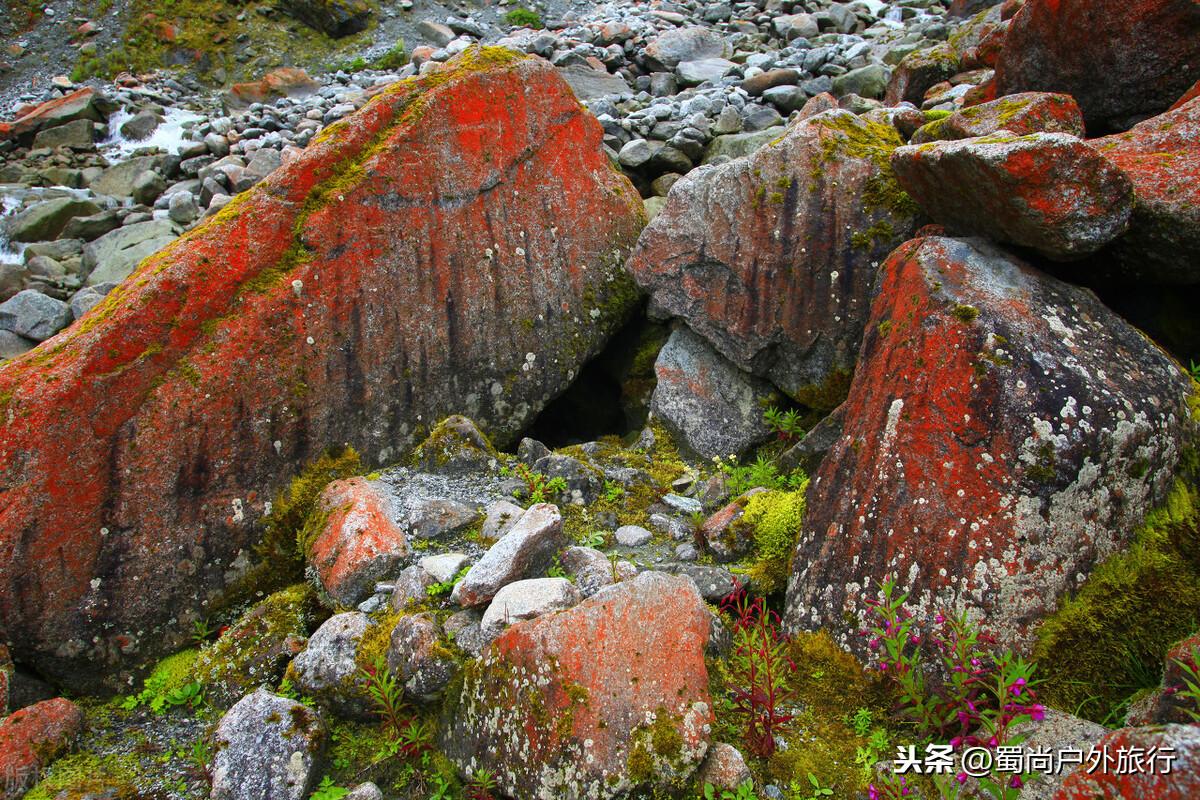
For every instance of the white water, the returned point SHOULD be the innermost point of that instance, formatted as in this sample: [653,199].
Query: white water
[168,136]
[10,252]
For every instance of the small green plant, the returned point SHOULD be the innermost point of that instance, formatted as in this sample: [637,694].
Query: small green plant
[166,687]
[861,721]
[524,18]
[595,540]
[326,790]
[613,491]
[813,791]
[1194,370]
[393,59]
[1190,690]
[538,487]
[743,792]
[784,424]
[442,588]
[201,632]
[761,472]
[386,694]
[480,786]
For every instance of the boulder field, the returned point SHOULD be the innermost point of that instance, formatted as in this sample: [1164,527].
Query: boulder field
[457,245]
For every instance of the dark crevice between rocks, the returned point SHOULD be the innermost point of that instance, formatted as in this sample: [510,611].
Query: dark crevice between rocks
[1167,314]
[611,394]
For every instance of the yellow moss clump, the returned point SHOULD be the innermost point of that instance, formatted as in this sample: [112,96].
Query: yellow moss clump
[775,518]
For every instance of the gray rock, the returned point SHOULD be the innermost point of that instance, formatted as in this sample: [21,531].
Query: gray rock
[633,536]
[589,83]
[84,301]
[435,33]
[501,517]
[808,453]
[78,134]
[118,181]
[589,568]
[12,345]
[525,551]
[737,145]
[637,153]
[445,566]
[182,208]
[527,599]
[112,257]
[713,583]
[724,767]
[147,186]
[1057,732]
[438,518]
[710,406]
[412,585]
[264,161]
[327,665]
[686,44]
[415,657]
[694,73]
[92,227]
[267,748]
[870,81]
[336,19]
[217,144]
[795,26]
[33,315]
[365,791]
[455,447]
[687,552]
[530,450]
[584,482]
[786,98]
[140,125]
[760,118]
[46,220]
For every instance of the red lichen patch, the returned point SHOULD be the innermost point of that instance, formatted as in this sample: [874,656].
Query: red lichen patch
[33,737]
[358,544]
[1188,96]
[79,104]
[1139,57]
[1161,157]
[1159,762]
[994,415]
[1050,192]
[575,693]
[379,281]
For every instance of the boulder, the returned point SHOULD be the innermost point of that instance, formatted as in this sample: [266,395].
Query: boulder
[1164,703]
[13,345]
[527,599]
[501,517]
[281,82]
[33,737]
[1161,762]
[79,134]
[710,407]
[113,257]
[1140,56]
[589,83]
[418,658]
[1047,191]
[327,669]
[598,701]
[676,45]
[118,181]
[1161,157]
[85,103]
[359,542]
[456,446]
[336,18]
[33,315]
[45,220]
[918,71]
[772,258]
[703,70]
[482,268]
[589,568]
[1019,114]
[737,145]
[525,551]
[870,81]
[996,417]
[140,125]
[267,748]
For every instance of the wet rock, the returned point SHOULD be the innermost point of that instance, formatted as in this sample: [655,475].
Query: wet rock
[45,220]
[804,218]
[33,737]
[267,748]
[140,125]
[526,550]
[594,701]
[1047,191]
[1140,56]
[1160,157]
[276,332]
[527,599]
[1006,412]
[359,542]
[336,18]
[710,406]
[418,659]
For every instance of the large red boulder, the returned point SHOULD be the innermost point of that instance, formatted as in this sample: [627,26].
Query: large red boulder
[1161,157]
[772,258]
[1047,191]
[1004,432]
[85,103]
[592,702]
[1120,59]
[33,737]
[1020,114]
[1159,762]
[456,246]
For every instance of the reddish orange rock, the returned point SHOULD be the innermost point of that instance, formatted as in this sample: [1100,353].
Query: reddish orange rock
[282,82]
[1159,762]
[456,246]
[1161,157]
[33,737]
[359,544]
[1188,96]
[85,103]
[1020,114]
[996,442]
[592,702]
[1120,59]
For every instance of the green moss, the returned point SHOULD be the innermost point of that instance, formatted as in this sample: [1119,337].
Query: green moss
[80,775]
[1097,647]
[775,518]
[964,313]
[524,18]
[825,396]
[174,671]
[881,231]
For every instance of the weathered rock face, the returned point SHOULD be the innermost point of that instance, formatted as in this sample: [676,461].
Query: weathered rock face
[1004,432]
[33,737]
[772,258]
[1180,744]
[593,701]
[335,18]
[266,747]
[359,543]
[1161,157]
[85,103]
[1029,112]
[1047,191]
[920,70]
[1140,56]
[409,264]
